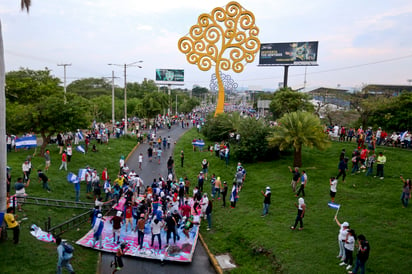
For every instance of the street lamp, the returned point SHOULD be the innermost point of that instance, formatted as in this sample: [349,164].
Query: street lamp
[125,66]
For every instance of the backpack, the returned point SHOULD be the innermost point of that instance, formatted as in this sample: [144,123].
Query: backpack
[68,250]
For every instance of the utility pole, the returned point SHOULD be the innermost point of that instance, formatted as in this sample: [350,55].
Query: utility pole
[113,118]
[64,65]
[125,66]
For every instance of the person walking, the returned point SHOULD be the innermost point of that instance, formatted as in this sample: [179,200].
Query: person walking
[208,212]
[234,196]
[64,161]
[140,230]
[47,160]
[205,167]
[98,226]
[343,231]
[266,201]
[182,158]
[223,190]
[118,262]
[301,213]
[156,227]
[362,256]
[140,161]
[295,177]
[303,181]
[406,191]
[333,188]
[64,257]
[342,167]
[44,179]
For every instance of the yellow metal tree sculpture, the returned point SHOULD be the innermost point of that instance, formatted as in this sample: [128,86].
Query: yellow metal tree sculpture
[226,38]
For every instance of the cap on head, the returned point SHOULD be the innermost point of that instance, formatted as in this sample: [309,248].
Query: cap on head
[99,215]
[346,224]
[267,188]
[119,213]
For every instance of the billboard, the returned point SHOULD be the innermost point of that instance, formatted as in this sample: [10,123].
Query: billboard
[293,54]
[170,76]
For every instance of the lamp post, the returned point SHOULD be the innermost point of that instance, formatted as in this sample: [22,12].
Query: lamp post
[125,66]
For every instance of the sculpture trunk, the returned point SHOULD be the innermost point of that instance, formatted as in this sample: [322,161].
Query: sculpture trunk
[221,93]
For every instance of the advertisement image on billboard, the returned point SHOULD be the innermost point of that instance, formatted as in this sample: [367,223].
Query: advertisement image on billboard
[170,76]
[293,54]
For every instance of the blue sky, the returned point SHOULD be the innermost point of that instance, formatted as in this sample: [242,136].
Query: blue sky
[360,42]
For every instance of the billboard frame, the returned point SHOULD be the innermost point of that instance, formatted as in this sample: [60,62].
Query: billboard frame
[287,52]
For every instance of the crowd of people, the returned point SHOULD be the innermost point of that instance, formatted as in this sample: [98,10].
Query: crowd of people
[369,137]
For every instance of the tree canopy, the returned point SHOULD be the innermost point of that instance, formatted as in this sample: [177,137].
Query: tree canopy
[298,129]
[286,101]
[27,86]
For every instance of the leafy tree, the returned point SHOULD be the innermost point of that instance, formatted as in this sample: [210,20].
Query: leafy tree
[90,87]
[253,144]
[26,86]
[186,104]
[50,116]
[218,128]
[152,104]
[199,91]
[298,129]
[393,113]
[286,101]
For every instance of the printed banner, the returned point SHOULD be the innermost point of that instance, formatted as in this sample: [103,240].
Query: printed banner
[181,251]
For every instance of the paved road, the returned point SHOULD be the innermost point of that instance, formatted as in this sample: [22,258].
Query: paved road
[150,170]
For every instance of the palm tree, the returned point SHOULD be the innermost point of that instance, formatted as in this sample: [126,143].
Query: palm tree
[299,129]
[25,4]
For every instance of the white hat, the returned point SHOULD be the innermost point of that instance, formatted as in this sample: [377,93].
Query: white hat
[267,188]
[345,224]
[119,213]
[99,215]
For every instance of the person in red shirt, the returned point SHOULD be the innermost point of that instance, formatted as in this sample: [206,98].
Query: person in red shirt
[129,216]
[117,224]
[64,161]
[185,210]
[105,176]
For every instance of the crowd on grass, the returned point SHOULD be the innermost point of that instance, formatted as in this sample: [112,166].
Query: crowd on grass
[370,137]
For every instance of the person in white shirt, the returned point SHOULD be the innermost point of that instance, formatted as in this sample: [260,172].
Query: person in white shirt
[156,227]
[333,182]
[349,247]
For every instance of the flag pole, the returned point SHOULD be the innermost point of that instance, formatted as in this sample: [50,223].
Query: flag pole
[336,214]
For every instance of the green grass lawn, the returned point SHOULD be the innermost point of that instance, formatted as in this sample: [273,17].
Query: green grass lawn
[267,245]
[258,245]
[33,256]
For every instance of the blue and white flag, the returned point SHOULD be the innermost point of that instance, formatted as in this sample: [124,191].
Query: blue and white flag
[80,135]
[198,143]
[402,136]
[82,174]
[72,178]
[333,205]
[26,142]
[80,149]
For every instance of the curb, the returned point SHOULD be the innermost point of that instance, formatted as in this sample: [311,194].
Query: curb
[131,152]
[212,258]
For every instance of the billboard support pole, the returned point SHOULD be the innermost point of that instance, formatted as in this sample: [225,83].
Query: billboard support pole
[285,77]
